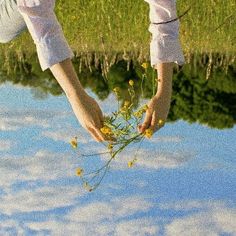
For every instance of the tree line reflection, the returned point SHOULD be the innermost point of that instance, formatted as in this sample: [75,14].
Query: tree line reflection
[202,92]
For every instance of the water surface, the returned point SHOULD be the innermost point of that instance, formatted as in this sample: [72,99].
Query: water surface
[183,183]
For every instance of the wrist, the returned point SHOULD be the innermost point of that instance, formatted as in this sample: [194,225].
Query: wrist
[164,80]
[164,88]
[76,94]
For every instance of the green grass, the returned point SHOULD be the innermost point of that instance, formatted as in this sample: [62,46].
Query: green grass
[122,26]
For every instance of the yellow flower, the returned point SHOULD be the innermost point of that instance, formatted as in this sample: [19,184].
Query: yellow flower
[145,107]
[123,109]
[127,103]
[116,89]
[130,164]
[106,130]
[145,65]
[160,122]
[110,146]
[74,142]
[131,82]
[148,133]
[138,114]
[79,172]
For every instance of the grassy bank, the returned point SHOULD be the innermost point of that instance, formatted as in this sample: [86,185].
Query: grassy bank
[122,26]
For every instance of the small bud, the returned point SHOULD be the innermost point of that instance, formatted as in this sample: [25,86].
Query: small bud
[79,172]
[131,82]
[74,142]
[145,65]
[130,164]
[148,133]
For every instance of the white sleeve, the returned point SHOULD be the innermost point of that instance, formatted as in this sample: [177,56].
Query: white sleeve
[46,31]
[165,45]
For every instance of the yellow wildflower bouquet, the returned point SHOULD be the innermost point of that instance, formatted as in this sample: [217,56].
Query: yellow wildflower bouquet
[121,128]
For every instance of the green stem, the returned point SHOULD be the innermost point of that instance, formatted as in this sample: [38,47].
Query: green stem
[94,154]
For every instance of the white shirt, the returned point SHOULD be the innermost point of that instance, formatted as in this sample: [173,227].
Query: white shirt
[52,47]
[165,45]
[46,31]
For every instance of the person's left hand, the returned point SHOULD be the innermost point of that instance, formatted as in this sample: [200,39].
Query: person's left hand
[157,112]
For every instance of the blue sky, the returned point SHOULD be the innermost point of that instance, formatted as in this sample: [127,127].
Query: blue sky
[184,182]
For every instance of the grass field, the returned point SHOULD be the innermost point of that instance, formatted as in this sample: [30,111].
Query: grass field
[122,26]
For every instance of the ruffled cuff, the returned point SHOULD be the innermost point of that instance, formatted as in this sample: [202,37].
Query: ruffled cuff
[53,50]
[35,6]
[165,45]
[163,49]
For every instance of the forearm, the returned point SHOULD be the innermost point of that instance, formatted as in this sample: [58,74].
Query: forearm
[44,28]
[66,76]
[164,79]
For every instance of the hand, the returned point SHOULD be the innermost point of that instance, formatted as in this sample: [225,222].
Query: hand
[89,115]
[85,107]
[157,112]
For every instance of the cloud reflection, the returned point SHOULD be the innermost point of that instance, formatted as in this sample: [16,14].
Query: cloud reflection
[40,199]
[111,217]
[6,145]
[13,120]
[39,193]
[215,219]
[43,165]
[152,159]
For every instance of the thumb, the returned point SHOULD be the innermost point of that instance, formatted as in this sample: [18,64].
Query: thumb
[146,123]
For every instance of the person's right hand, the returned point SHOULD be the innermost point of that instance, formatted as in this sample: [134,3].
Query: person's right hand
[157,112]
[90,116]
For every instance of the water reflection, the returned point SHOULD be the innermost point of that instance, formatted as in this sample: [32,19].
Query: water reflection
[183,183]
[199,86]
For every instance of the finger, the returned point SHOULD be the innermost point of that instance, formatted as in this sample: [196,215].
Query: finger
[102,119]
[100,114]
[95,135]
[154,122]
[99,134]
[158,125]
[146,122]
[105,137]
[97,129]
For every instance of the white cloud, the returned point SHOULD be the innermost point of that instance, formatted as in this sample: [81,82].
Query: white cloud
[164,160]
[151,159]
[12,120]
[104,218]
[192,205]
[6,145]
[140,227]
[59,227]
[114,209]
[216,165]
[65,134]
[169,139]
[40,199]
[210,218]
[43,165]
[10,227]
